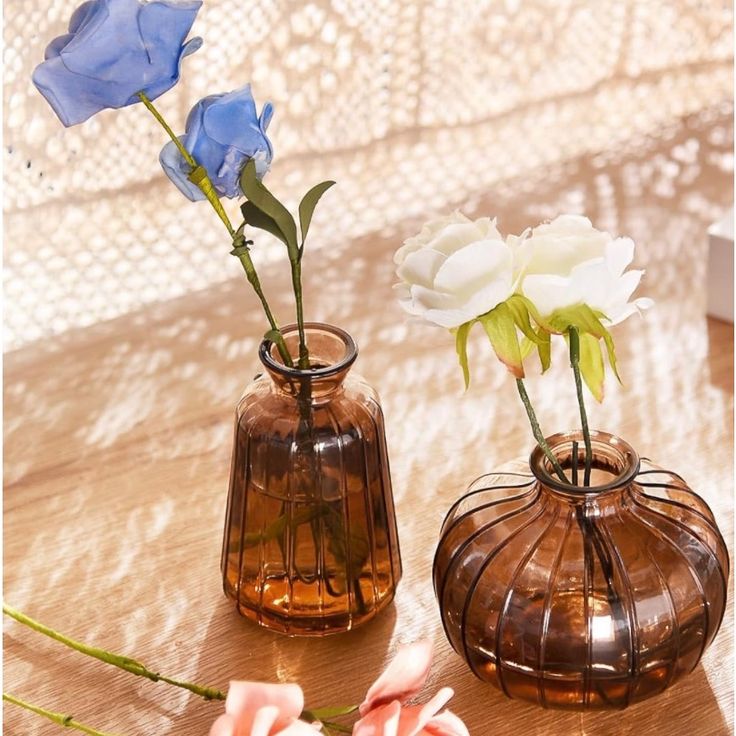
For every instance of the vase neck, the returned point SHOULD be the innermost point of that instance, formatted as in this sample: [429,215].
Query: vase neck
[332,352]
[614,465]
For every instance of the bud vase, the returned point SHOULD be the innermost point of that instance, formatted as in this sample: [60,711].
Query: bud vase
[581,597]
[310,544]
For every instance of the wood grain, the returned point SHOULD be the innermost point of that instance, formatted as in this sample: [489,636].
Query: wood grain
[117,444]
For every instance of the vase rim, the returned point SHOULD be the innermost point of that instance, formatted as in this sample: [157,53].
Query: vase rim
[272,364]
[625,456]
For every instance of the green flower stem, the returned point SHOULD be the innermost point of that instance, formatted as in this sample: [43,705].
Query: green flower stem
[60,718]
[246,261]
[575,363]
[200,178]
[296,280]
[537,432]
[117,660]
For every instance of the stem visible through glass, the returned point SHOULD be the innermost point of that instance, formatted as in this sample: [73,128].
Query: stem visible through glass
[60,718]
[537,432]
[575,363]
[204,183]
[117,660]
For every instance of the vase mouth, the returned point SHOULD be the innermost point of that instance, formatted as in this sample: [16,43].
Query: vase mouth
[332,349]
[613,458]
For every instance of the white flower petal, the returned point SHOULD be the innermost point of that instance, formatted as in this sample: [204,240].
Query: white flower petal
[487,298]
[448,318]
[549,292]
[430,299]
[420,267]
[455,236]
[470,268]
[619,254]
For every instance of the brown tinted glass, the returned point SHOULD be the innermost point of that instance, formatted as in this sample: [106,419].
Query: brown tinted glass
[569,597]
[310,544]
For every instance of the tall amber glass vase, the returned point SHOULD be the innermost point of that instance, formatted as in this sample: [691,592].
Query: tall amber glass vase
[581,597]
[310,544]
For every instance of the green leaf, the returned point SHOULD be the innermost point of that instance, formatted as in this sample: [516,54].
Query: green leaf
[258,219]
[257,193]
[461,346]
[591,365]
[501,330]
[307,205]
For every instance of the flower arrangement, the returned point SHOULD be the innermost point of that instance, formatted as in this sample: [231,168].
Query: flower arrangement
[560,278]
[124,52]
[264,709]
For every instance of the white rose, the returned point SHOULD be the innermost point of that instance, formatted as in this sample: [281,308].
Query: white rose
[568,262]
[455,270]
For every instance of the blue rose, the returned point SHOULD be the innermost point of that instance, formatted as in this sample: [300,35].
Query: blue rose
[222,133]
[115,49]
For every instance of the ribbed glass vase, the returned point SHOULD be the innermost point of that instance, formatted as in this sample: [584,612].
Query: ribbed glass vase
[581,597]
[310,544]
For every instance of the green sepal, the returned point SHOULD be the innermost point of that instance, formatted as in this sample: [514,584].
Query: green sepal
[258,219]
[587,321]
[544,349]
[198,176]
[307,205]
[591,365]
[319,714]
[461,346]
[520,309]
[239,250]
[257,193]
[500,327]
[527,347]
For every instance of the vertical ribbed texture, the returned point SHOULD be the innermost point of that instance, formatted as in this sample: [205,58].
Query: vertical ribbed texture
[310,543]
[596,601]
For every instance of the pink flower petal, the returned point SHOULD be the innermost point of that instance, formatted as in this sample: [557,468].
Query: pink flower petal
[225,725]
[264,721]
[403,678]
[288,698]
[446,724]
[245,699]
[414,718]
[298,728]
[381,721]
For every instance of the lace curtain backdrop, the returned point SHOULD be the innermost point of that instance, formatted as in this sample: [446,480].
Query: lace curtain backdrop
[413,106]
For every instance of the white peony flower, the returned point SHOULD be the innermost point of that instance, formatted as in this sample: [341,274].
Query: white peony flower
[454,270]
[568,262]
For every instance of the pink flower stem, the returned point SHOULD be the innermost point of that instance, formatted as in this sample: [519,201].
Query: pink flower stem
[117,660]
[60,718]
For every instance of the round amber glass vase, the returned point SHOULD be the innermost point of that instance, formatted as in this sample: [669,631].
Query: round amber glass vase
[310,544]
[581,597]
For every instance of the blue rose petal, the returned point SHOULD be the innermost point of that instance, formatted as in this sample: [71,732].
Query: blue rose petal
[115,49]
[222,133]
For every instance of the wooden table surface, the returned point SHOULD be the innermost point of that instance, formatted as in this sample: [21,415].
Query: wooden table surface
[117,445]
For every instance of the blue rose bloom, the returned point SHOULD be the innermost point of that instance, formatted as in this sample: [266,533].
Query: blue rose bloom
[222,133]
[115,49]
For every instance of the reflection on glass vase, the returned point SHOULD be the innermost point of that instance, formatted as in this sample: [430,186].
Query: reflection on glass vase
[581,597]
[310,544]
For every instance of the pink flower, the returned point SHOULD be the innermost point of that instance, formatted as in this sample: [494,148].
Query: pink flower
[259,709]
[384,712]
